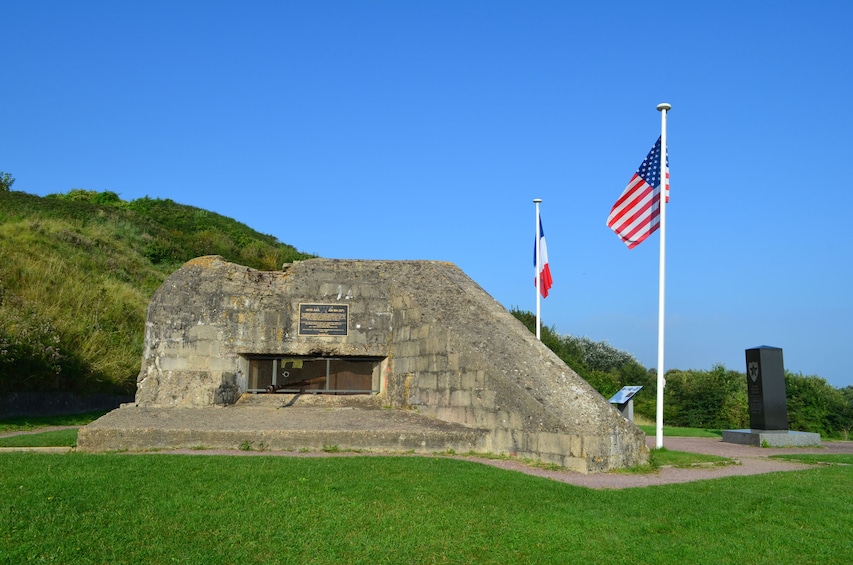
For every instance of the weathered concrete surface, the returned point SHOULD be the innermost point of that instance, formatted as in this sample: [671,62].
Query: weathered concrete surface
[275,428]
[772,438]
[450,353]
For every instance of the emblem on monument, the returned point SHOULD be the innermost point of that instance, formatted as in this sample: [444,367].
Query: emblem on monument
[753,370]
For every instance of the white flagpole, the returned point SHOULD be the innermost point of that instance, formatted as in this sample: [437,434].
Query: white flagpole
[538,201]
[661,382]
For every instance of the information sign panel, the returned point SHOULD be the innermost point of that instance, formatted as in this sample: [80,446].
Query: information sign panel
[624,395]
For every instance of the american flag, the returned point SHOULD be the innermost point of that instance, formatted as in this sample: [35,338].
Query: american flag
[637,212]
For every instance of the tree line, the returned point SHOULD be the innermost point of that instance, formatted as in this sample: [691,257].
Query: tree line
[711,399]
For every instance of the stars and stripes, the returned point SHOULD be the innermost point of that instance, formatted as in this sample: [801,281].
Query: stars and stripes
[636,214]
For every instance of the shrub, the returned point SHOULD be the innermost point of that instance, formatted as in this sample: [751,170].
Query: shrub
[30,353]
[604,367]
[715,399]
[815,406]
[705,399]
[6,182]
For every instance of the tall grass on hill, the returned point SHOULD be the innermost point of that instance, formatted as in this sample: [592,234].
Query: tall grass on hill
[89,289]
[194,232]
[77,272]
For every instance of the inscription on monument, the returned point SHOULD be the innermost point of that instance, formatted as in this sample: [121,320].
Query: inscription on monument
[765,383]
[754,390]
[324,319]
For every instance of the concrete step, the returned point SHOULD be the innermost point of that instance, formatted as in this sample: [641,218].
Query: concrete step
[133,428]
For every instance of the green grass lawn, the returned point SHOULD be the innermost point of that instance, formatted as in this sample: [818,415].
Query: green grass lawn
[828,458]
[54,438]
[651,431]
[667,457]
[122,508]
[657,459]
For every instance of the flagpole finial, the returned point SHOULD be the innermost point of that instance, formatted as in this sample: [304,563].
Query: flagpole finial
[537,200]
[664,106]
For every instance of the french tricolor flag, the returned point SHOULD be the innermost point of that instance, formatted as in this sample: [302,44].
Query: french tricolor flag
[544,274]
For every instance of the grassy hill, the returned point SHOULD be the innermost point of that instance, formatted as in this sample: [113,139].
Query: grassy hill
[77,271]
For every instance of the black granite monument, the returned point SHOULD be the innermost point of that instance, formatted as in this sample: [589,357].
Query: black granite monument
[765,382]
[768,405]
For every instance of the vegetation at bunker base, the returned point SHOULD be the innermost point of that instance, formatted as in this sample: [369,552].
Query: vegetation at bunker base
[77,271]
[118,508]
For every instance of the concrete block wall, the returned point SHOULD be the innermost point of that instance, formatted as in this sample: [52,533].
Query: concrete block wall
[450,350]
[475,364]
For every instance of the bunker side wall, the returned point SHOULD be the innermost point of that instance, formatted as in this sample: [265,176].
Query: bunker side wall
[461,357]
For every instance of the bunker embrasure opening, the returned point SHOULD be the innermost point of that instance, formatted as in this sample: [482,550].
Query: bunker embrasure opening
[315,375]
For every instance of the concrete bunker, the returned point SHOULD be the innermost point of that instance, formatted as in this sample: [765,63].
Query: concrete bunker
[383,355]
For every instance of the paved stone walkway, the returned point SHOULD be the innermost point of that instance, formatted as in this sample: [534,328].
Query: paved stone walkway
[750,461]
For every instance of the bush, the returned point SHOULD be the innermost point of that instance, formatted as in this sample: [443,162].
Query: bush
[105,198]
[6,182]
[30,353]
[816,406]
[715,399]
[604,367]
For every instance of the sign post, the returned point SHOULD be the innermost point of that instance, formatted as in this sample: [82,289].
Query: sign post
[624,401]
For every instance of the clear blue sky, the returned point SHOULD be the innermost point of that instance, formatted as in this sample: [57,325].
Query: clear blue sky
[424,130]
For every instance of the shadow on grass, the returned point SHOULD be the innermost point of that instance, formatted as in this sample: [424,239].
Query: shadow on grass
[26,423]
